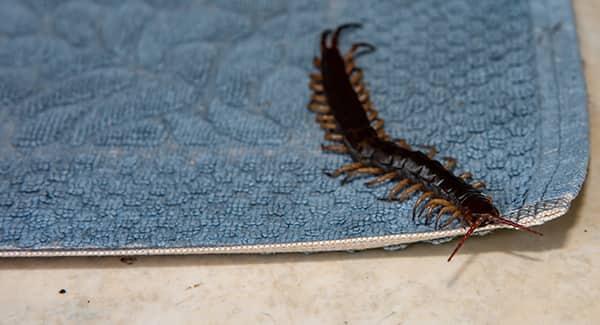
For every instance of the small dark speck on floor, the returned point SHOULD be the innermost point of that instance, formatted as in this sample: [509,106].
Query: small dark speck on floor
[128,260]
[62,291]
[584,230]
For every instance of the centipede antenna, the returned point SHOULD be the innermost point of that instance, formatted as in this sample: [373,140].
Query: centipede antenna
[336,34]
[518,226]
[466,236]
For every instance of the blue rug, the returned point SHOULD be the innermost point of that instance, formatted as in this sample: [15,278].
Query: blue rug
[181,127]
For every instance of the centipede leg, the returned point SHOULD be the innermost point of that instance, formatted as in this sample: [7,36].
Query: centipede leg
[356,77]
[434,204]
[380,131]
[478,185]
[364,98]
[317,62]
[420,200]
[450,163]
[397,188]
[325,118]
[368,107]
[362,170]
[319,98]
[444,210]
[369,170]
[453,217]
[382,135]
[336,148]
[371,115]
[316,86]
[409,191]
[439,201]
[336,137]
[319,108]
[329,126]
[316,77]
[378,125]
[402,143]
[350,66]
[466,176]
[360,88]
[431,151]
[382,179]
[428,213]
[346,168]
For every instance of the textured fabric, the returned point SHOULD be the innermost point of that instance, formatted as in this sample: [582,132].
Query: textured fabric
[161,124]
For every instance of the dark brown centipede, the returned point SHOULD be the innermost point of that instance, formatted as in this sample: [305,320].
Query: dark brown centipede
[344,110]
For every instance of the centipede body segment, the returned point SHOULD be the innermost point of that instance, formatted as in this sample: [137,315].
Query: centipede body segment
[353,127]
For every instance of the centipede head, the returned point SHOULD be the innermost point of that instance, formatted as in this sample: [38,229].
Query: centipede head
[478,211]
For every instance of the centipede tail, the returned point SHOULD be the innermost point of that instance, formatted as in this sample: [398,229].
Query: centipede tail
[353,127]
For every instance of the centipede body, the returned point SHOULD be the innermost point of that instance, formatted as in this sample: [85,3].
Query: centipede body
[352,126]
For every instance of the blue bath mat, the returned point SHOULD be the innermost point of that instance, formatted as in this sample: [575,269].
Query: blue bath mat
[165,127]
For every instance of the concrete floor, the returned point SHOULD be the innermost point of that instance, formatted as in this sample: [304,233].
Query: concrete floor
[508,277]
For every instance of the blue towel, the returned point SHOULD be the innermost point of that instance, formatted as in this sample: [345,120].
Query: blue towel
[166,125]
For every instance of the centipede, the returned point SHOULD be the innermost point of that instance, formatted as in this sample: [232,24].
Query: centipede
[353,127]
